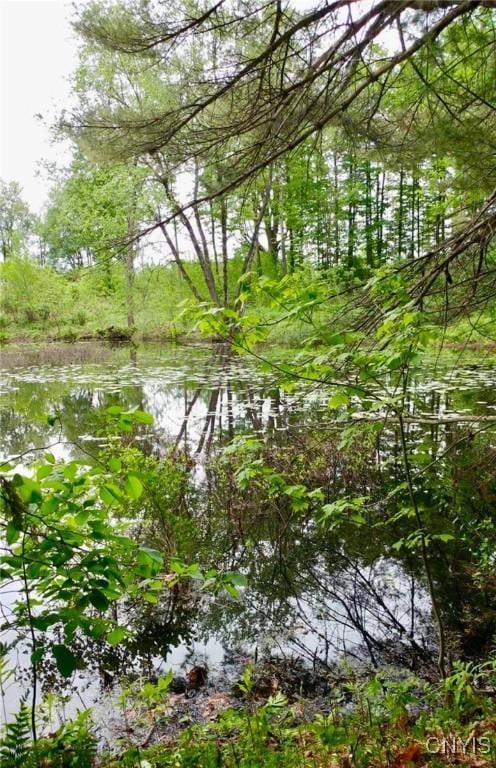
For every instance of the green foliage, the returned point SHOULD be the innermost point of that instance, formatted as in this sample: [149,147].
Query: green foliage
[147,698]
[72,746]
[372,720]
[68,529]
[41,302]
[15,742]
[89,211]
[380,719]
[343,510]
[32,295]
[72,558]
[16,221]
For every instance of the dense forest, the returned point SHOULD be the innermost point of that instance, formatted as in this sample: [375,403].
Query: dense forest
[249,353]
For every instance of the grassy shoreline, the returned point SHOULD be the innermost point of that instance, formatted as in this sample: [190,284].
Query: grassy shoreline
[380,719]
[187,337]
[40,304]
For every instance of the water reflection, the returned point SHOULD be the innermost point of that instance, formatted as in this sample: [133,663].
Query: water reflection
[312,593]
[196,395]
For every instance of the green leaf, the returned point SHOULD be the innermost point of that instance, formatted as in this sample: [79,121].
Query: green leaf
[12,533]
[98,600]
[110,494]
[47,620]
[230,589]
[67,662]
[150,597]
[43,472]
[116,636]
[146,554]
[335,339]
[114,410]
[29,491]
[338,400]
[238,579]
[48,456]
[115,464]
[33,570]
[37,655]
[70,471]
[358,519]
[142,417]
[49,505]
[82,517]
[133,487]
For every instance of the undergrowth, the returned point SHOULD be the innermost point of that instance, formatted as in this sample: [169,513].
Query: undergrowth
[384,721]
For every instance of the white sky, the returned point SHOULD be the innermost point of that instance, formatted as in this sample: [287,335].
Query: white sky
[37,55]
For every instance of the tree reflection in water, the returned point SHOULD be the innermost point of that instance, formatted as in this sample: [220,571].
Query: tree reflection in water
[313,591]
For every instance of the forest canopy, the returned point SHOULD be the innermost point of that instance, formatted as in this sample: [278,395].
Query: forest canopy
[356,97]
[346,134]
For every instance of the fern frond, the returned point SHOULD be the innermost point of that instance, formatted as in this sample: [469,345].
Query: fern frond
[15,744]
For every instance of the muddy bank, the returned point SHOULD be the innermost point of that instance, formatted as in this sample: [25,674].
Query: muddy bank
[199,697]
[54,353]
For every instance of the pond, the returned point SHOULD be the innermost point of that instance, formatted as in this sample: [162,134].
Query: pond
[313,592]
[196,394]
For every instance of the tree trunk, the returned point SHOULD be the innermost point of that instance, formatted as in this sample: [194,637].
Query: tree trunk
[381,182]
[130,275]
[369,235]
[225,255]
[337,240]
[400,215]
[351,212]
[177,258]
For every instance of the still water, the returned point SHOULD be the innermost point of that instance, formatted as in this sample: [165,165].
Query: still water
[310,595]
[197,395]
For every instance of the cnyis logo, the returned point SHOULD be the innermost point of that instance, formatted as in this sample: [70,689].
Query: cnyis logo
[455,746]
